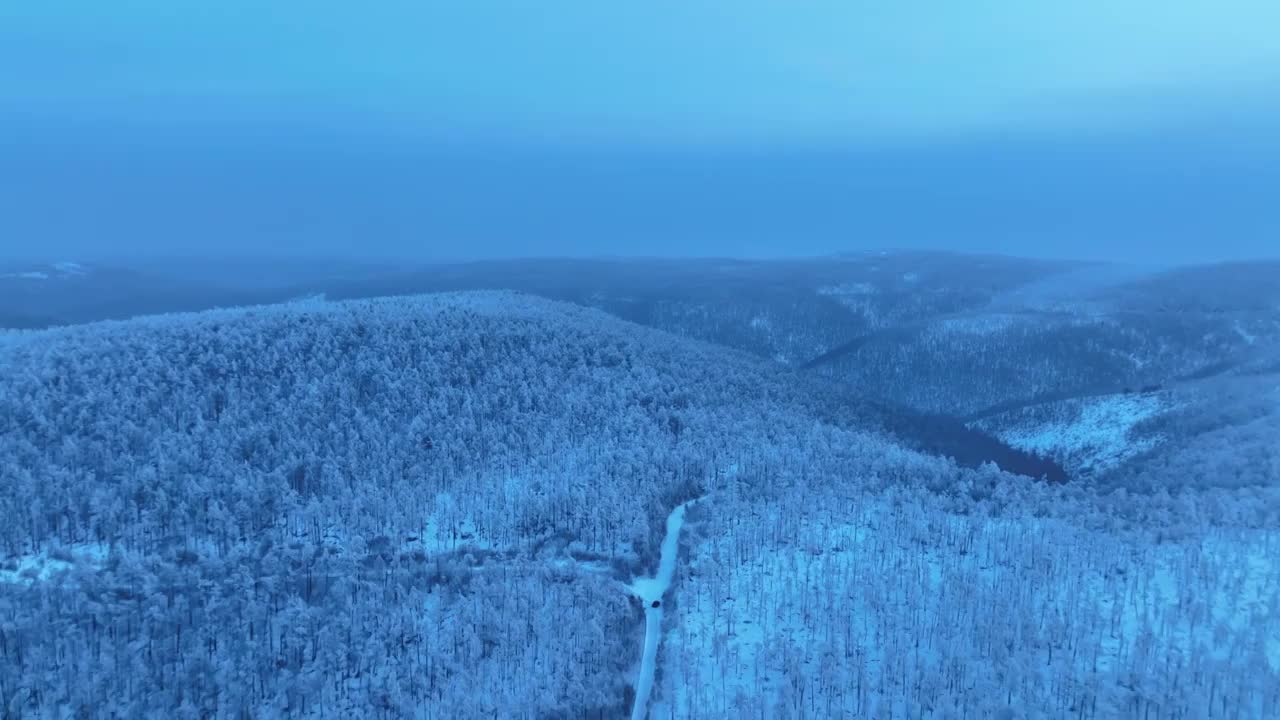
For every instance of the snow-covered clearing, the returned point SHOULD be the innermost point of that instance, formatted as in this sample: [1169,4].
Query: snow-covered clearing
[47,564]
[847,289]
[441,537]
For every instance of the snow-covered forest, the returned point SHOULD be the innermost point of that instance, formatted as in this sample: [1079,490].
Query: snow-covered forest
[437,506]
[895,603]
[590,360]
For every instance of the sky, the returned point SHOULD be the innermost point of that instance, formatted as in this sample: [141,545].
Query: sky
[1142,130]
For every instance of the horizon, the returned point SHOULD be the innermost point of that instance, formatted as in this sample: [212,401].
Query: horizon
[267,261]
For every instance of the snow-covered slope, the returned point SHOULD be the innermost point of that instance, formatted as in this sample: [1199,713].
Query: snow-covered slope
[1088,436]
[427,506]
[901,604]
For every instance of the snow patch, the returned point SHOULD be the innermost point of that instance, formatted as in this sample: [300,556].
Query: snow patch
[70,268]
[1095,435]
[48,563]
[440,535]
[1245,335]
[980,325]
[857,288]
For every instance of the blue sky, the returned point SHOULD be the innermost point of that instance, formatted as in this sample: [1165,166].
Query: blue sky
[484,128]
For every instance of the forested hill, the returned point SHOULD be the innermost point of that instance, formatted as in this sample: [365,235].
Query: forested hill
[432,507]
[277,507]
[787,310]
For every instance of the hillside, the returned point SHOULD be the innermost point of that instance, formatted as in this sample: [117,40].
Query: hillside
[1223,288]
[981,363]
[368,506]
[1042,603]
[939,345]
[437,506]
[1222,430]
[1200,405]
[788,310]
[40,295]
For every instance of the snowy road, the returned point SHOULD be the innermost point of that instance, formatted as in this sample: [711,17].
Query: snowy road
[651,590]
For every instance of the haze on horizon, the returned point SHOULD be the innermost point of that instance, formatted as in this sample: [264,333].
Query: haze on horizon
[1141,132]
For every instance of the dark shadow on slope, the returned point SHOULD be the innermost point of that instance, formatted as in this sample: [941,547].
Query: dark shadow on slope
[1206,372]
[950,437]
[848,348]
[903,333]
[1041,399]
[937,435]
